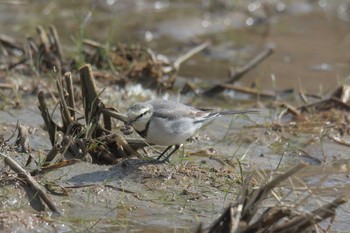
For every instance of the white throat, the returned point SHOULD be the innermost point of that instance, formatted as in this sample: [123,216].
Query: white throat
[140,124]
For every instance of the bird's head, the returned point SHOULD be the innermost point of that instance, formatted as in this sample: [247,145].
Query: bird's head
[139,115]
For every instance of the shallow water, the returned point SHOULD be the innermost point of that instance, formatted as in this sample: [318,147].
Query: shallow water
[311,38]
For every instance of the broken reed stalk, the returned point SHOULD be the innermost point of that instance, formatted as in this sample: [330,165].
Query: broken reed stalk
[23,139]
[268,219]
[84,142]
[66,116]
[45,54]
[253,200]
[32,45]
[107,120]
[30,50]
[93,106]
[44,39]
[89,93]
[53,153]
[239,73]
[247,205]
[51,126]
[229,221]
[70,97]
[31,182]
[236,218]
[56,43]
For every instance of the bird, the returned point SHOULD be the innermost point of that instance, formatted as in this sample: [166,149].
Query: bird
[170,123]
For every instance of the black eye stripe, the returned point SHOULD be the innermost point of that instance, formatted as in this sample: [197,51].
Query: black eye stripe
[141,115]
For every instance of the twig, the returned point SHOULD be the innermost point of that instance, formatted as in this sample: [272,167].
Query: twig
[115,114]
[121,141]
[339,102]
[20,62]
[307,155]
[93,44]
[54,166]
[338,141]
[189,54]
[31,182]
[301,223]
[10,42]
[137,143]
[7,86]
[291,109]
[248,90]
[238,74]
[326,104]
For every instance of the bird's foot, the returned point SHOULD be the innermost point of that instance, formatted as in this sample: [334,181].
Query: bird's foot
[159,160]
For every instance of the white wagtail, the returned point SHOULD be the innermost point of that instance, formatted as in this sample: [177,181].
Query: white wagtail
[168,123]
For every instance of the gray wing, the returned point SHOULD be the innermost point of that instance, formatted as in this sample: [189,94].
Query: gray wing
[172,110]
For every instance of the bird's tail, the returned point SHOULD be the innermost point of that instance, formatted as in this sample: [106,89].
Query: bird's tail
[213,115]
[235,112]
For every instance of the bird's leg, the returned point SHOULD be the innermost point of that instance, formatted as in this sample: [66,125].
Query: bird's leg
[168,156]
[163,153]
[159,160]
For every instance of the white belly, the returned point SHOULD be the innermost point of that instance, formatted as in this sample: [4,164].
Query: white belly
[164,132]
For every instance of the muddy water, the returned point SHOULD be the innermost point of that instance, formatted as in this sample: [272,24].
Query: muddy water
[311,38]
[312,53]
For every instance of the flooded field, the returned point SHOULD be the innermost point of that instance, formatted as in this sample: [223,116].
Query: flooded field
[288,60]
